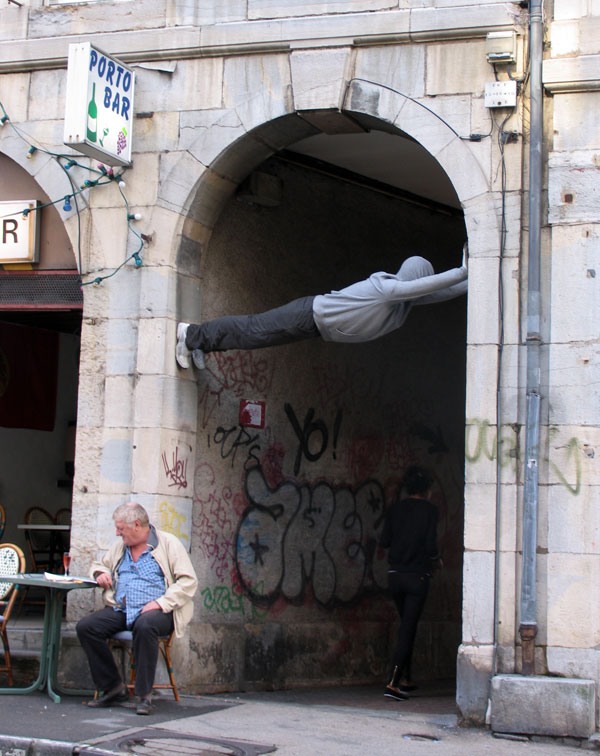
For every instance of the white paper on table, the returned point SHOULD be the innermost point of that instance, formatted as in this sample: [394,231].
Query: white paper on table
[68,578]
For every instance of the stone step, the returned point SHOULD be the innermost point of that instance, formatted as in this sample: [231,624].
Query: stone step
[25,635]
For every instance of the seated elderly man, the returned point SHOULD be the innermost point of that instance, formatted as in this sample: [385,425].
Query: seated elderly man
[148,582]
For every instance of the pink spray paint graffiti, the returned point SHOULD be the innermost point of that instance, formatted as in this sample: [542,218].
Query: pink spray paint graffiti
[213,520]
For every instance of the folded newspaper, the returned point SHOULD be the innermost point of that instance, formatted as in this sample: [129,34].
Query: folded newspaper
[68,578]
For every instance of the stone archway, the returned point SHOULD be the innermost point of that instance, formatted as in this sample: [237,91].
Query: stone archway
[372,105]
[365,101]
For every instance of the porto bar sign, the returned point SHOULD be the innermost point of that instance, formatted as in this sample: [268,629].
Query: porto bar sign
[99,109]
[19,232]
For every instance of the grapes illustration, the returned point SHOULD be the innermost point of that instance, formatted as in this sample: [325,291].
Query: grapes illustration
[121,141]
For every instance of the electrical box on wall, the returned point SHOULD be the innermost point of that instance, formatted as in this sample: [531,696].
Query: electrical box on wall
[501,94]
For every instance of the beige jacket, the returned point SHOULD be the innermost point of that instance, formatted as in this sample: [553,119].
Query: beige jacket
[174,561]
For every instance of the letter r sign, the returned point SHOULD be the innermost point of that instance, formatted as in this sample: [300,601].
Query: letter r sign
[19,231]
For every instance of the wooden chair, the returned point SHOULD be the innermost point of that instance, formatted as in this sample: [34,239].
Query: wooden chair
[40,542]
[124,640]
[12,562]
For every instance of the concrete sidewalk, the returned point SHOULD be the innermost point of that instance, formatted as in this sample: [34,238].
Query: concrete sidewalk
[341,721]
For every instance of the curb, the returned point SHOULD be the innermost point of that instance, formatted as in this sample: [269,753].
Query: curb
[14,746]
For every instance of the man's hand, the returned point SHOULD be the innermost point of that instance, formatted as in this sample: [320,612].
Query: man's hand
[104,580]
[465,256]
[152,606]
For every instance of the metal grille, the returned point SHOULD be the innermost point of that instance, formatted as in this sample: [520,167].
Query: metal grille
[38,290]
[159,742]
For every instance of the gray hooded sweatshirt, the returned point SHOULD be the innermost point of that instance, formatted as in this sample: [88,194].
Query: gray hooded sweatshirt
[371,308]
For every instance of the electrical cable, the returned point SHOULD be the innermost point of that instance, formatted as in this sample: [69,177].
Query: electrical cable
[470,138]
[104,177]
[71,182]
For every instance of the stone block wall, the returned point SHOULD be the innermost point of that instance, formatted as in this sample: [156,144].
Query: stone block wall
[222,87]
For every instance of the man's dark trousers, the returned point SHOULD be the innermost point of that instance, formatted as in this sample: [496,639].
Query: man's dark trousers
[95,629]
[291,322]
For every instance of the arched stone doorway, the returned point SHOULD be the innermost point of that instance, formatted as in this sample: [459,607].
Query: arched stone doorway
[40,328]
[248,483]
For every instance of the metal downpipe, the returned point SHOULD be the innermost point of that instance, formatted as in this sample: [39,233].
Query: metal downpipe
[528,624]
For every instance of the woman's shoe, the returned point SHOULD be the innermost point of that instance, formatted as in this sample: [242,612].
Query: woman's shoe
[395,693]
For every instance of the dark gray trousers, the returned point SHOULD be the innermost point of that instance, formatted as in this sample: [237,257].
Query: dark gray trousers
[93,632]
[293,321]
[409,591]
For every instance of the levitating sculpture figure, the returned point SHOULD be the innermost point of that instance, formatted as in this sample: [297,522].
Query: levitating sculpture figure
[361,312]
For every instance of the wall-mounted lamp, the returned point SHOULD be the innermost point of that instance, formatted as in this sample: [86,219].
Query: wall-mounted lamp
[501,47]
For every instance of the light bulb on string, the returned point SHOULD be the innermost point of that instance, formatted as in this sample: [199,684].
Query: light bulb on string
[104,174]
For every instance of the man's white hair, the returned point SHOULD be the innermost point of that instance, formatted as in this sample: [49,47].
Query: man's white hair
[131,512]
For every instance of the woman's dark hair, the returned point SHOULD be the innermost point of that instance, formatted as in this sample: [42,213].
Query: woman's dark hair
[417,480]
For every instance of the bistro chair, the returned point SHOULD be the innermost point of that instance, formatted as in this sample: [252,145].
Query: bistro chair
[124,641]
[40,542]
[12,562]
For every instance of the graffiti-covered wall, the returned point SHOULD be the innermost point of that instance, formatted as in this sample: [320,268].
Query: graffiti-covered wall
[286,516]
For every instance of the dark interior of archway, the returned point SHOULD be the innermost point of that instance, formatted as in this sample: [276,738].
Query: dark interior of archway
[67,321]
[306,227]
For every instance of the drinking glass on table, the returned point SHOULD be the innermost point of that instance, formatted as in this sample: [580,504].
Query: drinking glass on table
[66,562]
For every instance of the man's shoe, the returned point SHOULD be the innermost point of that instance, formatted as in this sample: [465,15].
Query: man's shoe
[120,694]
[198,357]
[396,694]
[182,353]
[144,706]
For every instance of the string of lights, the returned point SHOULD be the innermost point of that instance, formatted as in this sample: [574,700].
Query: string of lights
[99,176]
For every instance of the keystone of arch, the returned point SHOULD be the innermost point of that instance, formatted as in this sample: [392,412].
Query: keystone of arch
[436,133]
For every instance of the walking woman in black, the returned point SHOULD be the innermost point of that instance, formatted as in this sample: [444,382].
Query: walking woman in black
[409,532]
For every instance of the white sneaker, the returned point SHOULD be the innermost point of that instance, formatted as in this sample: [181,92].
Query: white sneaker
[182,353]
[198,358]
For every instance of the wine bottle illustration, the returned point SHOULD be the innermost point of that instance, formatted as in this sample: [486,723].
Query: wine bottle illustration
[92,125]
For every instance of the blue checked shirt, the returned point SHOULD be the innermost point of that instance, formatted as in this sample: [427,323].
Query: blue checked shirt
[139,582]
